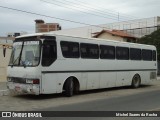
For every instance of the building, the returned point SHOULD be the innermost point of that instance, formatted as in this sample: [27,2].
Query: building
[15,34]
[41,26]
[115,35]
[137,28]
[5,42]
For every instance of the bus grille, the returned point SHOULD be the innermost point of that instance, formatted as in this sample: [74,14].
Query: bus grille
[18,80]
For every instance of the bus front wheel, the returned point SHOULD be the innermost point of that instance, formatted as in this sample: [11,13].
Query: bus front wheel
[69,87]
[136,81]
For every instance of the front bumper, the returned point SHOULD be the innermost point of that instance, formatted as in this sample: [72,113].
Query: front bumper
[21,88]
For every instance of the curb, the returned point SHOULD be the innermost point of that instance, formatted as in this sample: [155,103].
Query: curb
[4,92]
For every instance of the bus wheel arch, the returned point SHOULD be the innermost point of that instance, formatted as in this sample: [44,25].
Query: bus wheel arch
[71,86]
[136,81]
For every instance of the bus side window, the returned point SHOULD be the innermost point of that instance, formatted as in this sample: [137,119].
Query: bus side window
[90,51]
[122,53]
[154,57]
[49,54]
[107,52]
[135,54]
[147,55]
[70,49]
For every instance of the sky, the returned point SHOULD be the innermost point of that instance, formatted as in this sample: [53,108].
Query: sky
[86,12]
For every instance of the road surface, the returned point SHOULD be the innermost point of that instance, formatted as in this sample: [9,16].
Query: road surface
[145,98]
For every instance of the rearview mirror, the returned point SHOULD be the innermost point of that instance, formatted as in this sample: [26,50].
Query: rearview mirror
[4,50]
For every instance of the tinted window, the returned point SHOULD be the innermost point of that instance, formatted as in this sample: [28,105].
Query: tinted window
[89,51]
[147,55]
[122,53]
[107,52]
[49,54]
[154,55]
[135,54]
[70,49]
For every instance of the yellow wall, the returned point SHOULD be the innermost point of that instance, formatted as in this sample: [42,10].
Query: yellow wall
[4,63]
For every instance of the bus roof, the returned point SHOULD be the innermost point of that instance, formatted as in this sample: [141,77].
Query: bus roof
[65,35]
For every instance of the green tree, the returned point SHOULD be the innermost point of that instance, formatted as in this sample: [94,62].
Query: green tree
[152,39]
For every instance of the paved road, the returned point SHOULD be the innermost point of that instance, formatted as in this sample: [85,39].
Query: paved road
[146,101]
[121,98]
[32,102]
[141,101]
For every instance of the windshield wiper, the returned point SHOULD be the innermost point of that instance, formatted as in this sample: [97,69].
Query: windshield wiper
[18,57]
[15,60]
[23,63]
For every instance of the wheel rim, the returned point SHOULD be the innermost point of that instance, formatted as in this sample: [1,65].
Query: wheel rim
[136,81]
[71,86]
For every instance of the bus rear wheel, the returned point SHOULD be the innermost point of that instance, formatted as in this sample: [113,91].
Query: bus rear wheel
[69,87]
[136,81]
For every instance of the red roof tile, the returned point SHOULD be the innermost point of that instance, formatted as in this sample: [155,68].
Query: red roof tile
[115,32]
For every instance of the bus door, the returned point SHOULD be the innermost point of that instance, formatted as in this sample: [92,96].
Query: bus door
[49,78]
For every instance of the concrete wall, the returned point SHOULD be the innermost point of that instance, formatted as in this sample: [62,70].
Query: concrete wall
[80,32]
[4,63]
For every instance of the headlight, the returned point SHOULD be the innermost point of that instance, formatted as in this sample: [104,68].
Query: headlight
[29,81]
[9,79]
[32,81]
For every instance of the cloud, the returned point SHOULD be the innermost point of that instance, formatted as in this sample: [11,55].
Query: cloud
[17,21]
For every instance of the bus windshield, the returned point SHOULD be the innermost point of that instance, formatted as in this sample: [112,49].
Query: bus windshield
[25,53]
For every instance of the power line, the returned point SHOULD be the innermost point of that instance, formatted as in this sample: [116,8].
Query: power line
[129,22]
[111,11]
[116,17]
[82,4]
[77,9]
[100,25]
[62,19]
[85,7]
[38,14]
[98,6]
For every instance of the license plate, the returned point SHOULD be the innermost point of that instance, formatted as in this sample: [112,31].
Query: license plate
[17,88]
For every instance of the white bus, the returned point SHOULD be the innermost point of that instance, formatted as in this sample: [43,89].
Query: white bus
[52,63]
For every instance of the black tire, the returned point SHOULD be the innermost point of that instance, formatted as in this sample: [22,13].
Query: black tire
[69,87]
[136,81]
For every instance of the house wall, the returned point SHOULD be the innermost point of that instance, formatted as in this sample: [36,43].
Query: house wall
[110,37]
[4,63]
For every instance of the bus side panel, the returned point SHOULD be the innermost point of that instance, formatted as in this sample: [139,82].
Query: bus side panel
[145,77]
[107,79]
[123,78]
[93,80]
[83,81]
[49,83]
